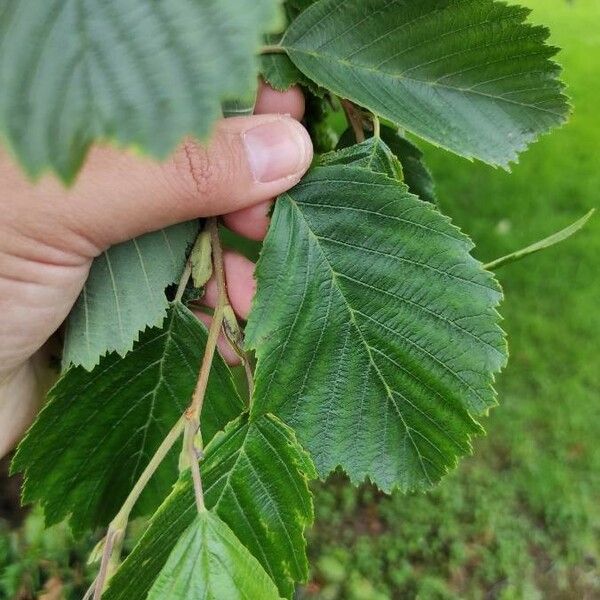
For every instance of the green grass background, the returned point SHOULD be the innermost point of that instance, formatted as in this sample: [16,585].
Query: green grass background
[521,518]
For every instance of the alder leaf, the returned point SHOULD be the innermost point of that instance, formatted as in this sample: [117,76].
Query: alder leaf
[278,70]
[209,562]
[414,171]
[471,76]
[255,479]
[125,293]
[372,154]
[134,72]
[98,430]
[375,330]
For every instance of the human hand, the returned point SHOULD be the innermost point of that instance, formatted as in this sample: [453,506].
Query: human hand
[49,235]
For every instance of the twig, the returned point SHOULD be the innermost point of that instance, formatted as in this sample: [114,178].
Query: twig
[194,457]
[119,523]
[354,119]
[185,277]
[190,419]
[193,412]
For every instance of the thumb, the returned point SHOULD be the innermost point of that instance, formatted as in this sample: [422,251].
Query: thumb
[119,195]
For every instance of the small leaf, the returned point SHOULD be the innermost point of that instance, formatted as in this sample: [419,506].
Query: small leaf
[139,73]
[375,330]
[278,70]
[209,562]
[98,430]
[255,479]
[548,242]
[125,293]
[372,154]
[470,76]
[414,172]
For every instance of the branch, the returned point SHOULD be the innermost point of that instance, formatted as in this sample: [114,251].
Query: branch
[354,119]
[189,420]
[119,523]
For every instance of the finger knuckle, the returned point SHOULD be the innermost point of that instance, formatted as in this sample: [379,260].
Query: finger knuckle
[198,170]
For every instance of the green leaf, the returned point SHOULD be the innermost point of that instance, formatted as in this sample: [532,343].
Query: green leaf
[375,330]
[416,175]
[209,562]
[414,172]
[548,242]
[255,479]
[372,154]
[138,73]
[470,76]
[99,430]
[125,293]
[278,70]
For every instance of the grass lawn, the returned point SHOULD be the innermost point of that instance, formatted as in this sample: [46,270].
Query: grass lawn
[521,518]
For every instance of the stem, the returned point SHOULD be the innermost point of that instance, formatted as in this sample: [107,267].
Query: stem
[376,126]
[119,523]
[354,119]
[190,419]
[193,412]
[272,49]
[249,377]
[185,277]
[195,456]
[112,538]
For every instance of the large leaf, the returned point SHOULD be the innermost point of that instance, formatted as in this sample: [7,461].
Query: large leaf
[376,332]
[209,562]
[469,76]
[255,478]
[136,72]
[98,431]
[125,293]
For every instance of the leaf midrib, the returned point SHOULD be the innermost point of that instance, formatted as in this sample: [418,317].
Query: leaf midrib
[351,312]
[399,77]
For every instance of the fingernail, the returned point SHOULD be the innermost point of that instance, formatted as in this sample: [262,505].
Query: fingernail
[275,150]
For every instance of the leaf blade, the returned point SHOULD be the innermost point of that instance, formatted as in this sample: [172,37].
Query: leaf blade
[443,70]
[98,431]
[272,529]
[114,70]
[387,341]
[208,561]
[124,294]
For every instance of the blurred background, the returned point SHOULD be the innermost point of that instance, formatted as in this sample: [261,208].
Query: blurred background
[520,519]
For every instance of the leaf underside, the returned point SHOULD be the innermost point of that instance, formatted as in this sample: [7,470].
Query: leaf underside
[376,332]
[125,293]
[136,72]
[254,476]
[209,562]
[470,76]
[98,430]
